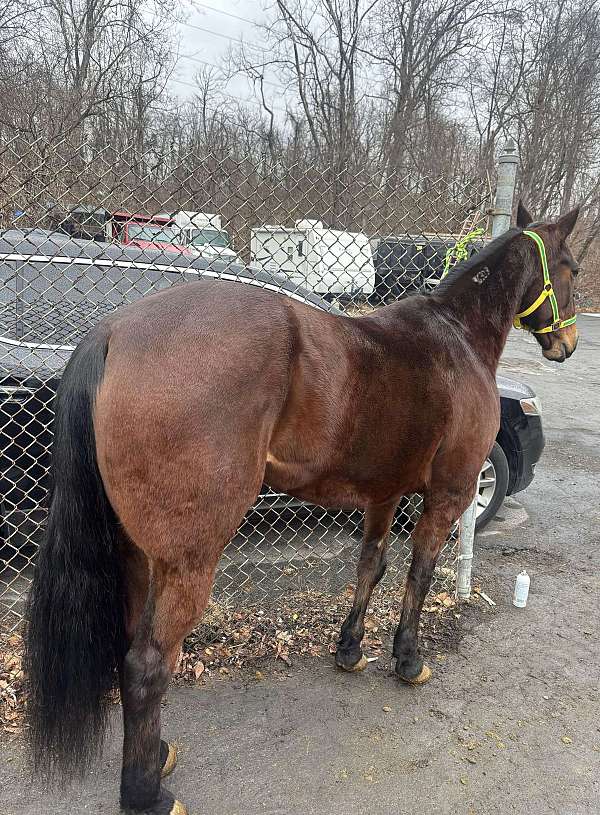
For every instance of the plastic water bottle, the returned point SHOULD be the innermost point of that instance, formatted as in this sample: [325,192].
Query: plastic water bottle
[521,590]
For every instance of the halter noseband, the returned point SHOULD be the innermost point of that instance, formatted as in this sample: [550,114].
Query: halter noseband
[547,294]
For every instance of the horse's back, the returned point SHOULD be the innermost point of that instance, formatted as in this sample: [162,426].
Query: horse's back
[226,311]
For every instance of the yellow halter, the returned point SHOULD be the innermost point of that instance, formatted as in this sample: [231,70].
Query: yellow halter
[547,294]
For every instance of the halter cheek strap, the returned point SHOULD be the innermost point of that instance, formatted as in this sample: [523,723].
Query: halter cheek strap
[547,294]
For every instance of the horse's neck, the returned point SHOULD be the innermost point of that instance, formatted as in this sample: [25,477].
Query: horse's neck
[487,309]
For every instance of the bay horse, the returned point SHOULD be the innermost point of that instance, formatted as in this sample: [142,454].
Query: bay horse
[173,411]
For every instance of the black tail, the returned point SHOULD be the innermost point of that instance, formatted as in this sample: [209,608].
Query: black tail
[74,638]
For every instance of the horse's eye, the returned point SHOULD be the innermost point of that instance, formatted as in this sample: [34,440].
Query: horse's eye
[571,265]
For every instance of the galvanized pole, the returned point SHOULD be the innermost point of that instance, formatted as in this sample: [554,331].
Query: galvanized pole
[466,538]
[505,189]
[501,216]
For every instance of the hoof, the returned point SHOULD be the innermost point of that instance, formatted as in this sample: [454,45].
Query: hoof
[165,805]
[359,666]
[423,677]
[170,760]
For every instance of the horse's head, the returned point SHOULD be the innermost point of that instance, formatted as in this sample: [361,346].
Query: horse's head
[548,307]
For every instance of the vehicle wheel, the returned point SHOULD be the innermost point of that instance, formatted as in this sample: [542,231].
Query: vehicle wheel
[493,483]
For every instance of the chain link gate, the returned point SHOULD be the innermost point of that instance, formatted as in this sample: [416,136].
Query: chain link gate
[84,230]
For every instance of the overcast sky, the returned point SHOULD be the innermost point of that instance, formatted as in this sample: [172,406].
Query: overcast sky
[220,18]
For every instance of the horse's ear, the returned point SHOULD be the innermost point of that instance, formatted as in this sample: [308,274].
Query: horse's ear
[523,216]
[566,223]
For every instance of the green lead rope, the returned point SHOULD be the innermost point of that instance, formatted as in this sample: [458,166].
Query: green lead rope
[460,250]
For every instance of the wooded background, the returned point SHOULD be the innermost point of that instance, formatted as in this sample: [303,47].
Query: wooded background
[369,93]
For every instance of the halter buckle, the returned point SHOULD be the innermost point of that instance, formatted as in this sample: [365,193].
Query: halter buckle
[548,287]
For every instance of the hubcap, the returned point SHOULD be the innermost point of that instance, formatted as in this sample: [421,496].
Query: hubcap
[487,486]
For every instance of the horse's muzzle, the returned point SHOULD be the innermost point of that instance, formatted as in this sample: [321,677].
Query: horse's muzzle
[563,345]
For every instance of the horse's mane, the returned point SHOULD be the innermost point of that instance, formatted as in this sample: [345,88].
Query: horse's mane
[490,256]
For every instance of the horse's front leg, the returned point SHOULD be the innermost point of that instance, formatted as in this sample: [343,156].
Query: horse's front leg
[371,568]
[428,538]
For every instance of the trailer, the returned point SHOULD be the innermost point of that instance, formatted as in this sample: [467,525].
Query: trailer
[327,261]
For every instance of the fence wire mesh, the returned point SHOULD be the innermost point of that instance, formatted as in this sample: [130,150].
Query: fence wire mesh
[86,229]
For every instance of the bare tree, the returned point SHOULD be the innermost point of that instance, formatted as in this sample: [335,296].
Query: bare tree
[494,75]
[315,48]
[419,46]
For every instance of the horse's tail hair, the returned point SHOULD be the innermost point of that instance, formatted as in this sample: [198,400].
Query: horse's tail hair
[74,635]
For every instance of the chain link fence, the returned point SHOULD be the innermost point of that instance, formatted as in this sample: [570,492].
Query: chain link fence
[84,230]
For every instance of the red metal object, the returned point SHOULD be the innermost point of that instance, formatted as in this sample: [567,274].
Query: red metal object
[146,231]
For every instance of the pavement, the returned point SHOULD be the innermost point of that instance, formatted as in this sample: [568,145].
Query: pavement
[510,723]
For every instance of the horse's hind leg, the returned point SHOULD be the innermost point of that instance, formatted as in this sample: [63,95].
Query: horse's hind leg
[136,579]
[371,568]
[136,574]
[177,596]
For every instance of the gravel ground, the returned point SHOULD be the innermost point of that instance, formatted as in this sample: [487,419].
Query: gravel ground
[510,723]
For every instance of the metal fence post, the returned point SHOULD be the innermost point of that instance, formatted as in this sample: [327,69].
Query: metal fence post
[505,188]
[466,537]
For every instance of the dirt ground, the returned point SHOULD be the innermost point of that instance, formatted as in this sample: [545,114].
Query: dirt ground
[510,723]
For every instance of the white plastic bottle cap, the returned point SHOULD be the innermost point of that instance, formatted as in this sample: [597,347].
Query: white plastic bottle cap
[521,590]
